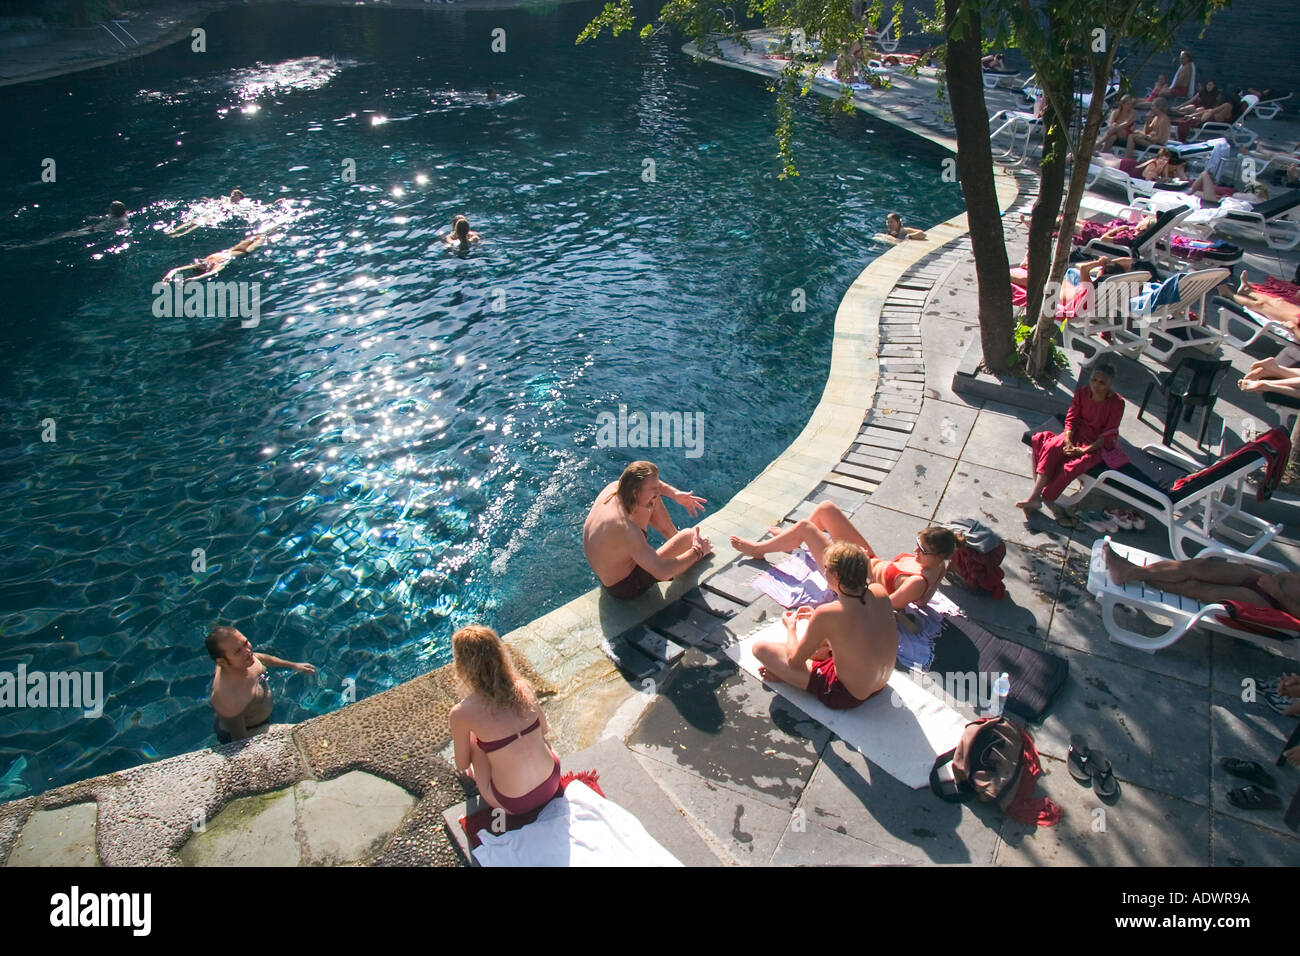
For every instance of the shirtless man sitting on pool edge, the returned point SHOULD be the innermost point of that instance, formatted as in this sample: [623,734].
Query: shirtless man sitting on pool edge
[861,641]
[615,537]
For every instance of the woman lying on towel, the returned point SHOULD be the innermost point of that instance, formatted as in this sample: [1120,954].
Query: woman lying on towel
[908,579]
[498,731]
[1091,430]
[1275,299]
[848,650]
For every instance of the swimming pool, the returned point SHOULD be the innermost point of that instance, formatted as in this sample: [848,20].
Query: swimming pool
[406,441]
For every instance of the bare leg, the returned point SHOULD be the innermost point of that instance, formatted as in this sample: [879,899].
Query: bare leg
[678,544]
[1035,499]
[825,525]
[1180,577]
[772,656]
[660,520]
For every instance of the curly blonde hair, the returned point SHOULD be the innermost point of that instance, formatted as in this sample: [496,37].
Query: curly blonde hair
[483,665]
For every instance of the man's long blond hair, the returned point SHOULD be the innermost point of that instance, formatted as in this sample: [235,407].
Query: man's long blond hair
[484,666]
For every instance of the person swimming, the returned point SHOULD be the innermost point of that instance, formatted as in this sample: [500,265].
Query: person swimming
[212,264]
[116,219]
[214,211]
[461,234]
[896,231]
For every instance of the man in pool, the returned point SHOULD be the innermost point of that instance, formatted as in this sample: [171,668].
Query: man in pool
[214,211]
[241,687]
[616,537]
[848,652]
[115,220]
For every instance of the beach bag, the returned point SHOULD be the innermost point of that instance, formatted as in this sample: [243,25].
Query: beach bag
[996,762]
[1258,619]
[977,564]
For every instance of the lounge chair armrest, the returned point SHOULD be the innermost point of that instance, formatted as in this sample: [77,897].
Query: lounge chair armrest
[1238,557]
[1107,248]
[1173,457]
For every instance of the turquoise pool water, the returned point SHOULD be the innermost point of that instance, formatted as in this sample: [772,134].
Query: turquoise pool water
[406,441]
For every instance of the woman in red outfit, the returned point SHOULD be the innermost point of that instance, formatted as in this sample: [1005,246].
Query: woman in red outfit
[1091,427]
[498,731]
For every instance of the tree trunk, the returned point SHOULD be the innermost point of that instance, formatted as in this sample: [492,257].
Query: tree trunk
[975,171]
[1046,328]
[1051,187]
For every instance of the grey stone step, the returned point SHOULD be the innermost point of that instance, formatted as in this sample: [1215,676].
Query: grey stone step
[630,659]
[684,623]
[717,605]
[653,644]
[881,438]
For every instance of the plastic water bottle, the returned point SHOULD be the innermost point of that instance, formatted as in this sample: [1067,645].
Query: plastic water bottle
[1001,688]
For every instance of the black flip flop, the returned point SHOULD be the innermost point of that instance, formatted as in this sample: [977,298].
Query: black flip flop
[1077,759]
[1253,798]
[1104,783]
[1249,770]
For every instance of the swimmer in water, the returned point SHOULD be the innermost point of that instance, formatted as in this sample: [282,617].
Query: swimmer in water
[211,265]
[491,93]
[897,232]
[115,220]
[210,217]
[241,687]
[461,234]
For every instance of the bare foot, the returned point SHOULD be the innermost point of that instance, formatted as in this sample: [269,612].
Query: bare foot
[1030,505]
[1120,570]
[748,548]
[768,676]
[1244,288]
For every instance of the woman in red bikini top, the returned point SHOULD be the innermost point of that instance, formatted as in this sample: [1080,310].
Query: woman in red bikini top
[498,731]
[913,578]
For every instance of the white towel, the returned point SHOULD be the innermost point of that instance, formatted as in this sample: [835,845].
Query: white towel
[578,828]
[902,731]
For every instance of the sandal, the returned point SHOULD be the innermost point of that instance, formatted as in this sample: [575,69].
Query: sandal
[1253,798]
[1136,520]
[1077,759]
[1104,783]
[1249,770]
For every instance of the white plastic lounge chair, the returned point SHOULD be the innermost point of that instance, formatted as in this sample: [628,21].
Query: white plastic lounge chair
[1017,123]
[1229,313]
[1268,109]
[1268,222]
[1103,327]
[1147,243]
[886,39]
[1161,322]
[1236,131]
[1133,186]
[1208,504]
[1186,613]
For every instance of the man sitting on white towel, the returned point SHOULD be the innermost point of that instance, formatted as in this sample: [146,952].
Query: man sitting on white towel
[847,654]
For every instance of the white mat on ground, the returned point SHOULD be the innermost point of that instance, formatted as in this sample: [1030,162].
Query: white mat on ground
[578,828]
[900,730]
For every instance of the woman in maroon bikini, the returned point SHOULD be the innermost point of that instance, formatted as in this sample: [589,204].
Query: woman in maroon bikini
[498,731]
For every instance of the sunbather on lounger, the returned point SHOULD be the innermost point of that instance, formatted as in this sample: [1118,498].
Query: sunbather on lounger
[1091,428]
[1155,132]
[908,579]
[615,537]
[1119,126]
[1160,168]
[1274,299]
[1209,580]
[498,731]
[858,629]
